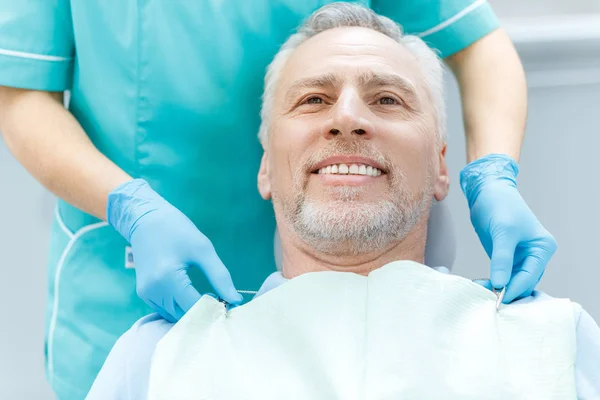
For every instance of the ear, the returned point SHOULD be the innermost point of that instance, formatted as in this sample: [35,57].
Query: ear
[442,183]
[264,184]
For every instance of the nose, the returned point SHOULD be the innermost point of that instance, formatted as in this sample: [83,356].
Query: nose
[349,118]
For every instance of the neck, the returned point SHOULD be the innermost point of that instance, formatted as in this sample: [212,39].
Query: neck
[299,259]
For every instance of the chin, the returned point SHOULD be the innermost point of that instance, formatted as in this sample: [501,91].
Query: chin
[351,195]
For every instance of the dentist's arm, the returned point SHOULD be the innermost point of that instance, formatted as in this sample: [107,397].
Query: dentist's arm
[494,99]
[494,95]
[49,142]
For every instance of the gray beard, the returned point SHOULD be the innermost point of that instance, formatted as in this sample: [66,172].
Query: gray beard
[346,226]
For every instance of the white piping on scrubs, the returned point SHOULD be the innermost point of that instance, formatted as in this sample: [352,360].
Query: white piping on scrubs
[33,56]
[73,237]
[452,19]
[61,223]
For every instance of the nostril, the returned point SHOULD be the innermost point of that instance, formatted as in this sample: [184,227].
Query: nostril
[359,131]
[334,131]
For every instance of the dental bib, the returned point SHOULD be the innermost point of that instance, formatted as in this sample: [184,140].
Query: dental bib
[404,332]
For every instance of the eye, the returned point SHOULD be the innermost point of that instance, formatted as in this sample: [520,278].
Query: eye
[314,100]
[386,100]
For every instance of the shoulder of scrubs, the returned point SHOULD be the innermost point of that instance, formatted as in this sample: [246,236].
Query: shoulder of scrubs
[446,26]
[587,362]
[126,371]
[36,44]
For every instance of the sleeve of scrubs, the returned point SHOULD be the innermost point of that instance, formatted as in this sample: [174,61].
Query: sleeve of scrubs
[36,44]
[126,371]
[446,26]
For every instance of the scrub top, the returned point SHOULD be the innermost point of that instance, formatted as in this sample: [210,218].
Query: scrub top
[170,91]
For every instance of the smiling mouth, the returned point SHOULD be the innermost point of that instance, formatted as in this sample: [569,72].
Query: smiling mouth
[349,169]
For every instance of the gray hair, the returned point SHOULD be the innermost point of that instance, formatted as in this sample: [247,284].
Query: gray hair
[338,15]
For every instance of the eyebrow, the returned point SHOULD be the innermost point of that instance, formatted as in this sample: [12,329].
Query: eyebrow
[370,79]
[366,80]
[329,80]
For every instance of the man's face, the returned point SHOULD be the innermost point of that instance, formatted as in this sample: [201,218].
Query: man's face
[352,159]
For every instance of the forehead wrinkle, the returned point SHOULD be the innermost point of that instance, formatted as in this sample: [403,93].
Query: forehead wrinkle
[365,79]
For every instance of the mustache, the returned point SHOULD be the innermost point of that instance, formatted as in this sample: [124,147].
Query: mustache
[345,148]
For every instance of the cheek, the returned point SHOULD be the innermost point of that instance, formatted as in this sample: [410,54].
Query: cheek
[413,153]
[289,144]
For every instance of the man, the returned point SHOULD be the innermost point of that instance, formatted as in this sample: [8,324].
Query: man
[354,153]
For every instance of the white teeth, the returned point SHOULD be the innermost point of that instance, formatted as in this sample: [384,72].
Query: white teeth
[353,169]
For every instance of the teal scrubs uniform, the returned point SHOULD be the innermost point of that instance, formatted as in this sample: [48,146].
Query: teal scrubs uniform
[170,91]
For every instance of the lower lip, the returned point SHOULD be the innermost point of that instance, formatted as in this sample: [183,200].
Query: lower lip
[351,180]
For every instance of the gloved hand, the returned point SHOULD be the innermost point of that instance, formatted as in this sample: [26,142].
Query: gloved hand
[165,245]
[516,242]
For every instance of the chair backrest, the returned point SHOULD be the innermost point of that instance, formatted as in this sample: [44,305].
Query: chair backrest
[440,249]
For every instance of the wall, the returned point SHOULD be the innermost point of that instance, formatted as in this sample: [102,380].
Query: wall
[533,8]
[557,180]
[25,215]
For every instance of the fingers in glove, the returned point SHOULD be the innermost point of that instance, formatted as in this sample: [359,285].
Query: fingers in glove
[503,254]
[486,283]
[526,279]
[218,275]
[161,311]
[186,298]
[178,312]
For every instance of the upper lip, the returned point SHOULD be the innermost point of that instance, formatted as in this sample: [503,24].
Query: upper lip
[348,160]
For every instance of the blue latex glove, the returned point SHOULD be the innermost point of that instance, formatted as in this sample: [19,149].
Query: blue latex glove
[514,239]
[165,245]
